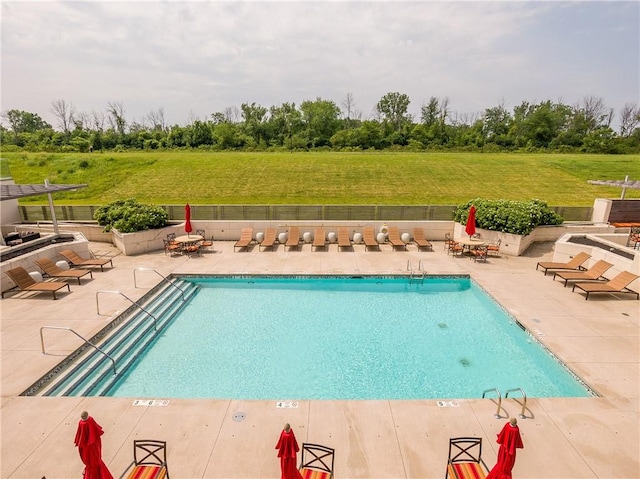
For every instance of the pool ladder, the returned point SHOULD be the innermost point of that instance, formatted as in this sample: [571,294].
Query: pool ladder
[524,403]
[416,276]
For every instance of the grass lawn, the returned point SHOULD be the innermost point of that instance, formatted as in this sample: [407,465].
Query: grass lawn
[198,177]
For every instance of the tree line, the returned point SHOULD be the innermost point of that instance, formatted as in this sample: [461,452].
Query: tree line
[322,124]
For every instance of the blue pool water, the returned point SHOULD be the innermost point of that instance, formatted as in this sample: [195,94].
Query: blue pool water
[343,338]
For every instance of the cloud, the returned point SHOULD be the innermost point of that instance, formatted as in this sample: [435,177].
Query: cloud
[201,57]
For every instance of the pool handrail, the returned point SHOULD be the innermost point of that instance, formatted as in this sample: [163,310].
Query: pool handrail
[524,404]
[135,284]
[155,320]
[497,414]
[113,361]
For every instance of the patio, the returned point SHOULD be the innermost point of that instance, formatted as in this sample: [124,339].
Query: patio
[586,437]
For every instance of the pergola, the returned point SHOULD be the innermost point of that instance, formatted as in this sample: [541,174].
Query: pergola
[624,184]
[14,192]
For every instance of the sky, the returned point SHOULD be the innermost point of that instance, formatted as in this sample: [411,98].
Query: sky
[195,58]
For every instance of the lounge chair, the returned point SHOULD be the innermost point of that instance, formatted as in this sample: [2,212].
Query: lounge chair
[52,270]
[316,461]
[617,284]
[25,282]
[343,238]
[419,239]
[75,260]
[149,460]
[465,461]
[246,239]
[319,239]
[269,239]
[293,240]
[395,240]
[575,263]
[592,274]
[369,238]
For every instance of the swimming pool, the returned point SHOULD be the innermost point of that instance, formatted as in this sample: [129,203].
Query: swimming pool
[343,338]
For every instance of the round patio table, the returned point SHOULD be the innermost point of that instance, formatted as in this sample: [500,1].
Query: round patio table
[188,239]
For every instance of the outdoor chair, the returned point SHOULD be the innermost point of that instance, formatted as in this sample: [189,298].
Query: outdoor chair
[316,461]
[149,460]
[246,239]
[52,270]
[493,249]
[25,282]
[465,461]
[448,241]
[617,284]
[171,247]
[75,260]
[395,240]
[319,239]
[575,263]
[633,241]
[479,254]
[269,240]
[369,238]
[293,239]
[419,239]
[343,238]
[455,248]
[592,274]
[205,244]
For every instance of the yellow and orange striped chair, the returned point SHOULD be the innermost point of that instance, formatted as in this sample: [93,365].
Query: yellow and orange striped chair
[316,461]
[149,460]
[465,461]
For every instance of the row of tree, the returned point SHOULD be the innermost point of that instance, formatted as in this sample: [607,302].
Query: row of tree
[586,126]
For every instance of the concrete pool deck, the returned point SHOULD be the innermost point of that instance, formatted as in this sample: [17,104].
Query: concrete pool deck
[568,438]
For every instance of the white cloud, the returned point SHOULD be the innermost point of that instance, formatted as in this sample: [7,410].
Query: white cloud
[201,57]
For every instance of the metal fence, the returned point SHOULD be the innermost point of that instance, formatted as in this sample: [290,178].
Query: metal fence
[33,214]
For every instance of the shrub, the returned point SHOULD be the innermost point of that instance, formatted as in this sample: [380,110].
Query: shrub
[129,216]
[517,217]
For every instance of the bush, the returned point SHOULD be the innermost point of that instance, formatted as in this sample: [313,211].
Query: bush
[129,216]
[517,217]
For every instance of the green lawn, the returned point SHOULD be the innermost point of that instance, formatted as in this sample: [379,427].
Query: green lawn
[176,177]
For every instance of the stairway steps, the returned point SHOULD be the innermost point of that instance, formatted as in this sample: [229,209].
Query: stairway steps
[91,373]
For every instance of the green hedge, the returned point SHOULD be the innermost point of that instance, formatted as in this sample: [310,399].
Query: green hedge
[129,216]
[517,217]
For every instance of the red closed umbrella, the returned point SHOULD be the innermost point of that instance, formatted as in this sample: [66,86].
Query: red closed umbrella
[287,449]
[89,446]
[470,228]
[187,222]
[509,440]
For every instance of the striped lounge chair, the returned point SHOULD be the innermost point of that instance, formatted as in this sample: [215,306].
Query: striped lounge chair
[465,460]
[149,460]
[316,461]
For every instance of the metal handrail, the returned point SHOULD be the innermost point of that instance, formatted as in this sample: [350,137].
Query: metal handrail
[155,320]
[135,284]
[415,275]
[113,361]
[524,404]
[497,414]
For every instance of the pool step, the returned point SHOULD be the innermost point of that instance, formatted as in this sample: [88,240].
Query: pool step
[91,374]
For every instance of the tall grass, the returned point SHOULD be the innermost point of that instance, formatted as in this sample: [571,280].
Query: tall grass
[198,177]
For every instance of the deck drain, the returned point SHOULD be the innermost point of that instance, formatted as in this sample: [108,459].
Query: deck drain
[239,417]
